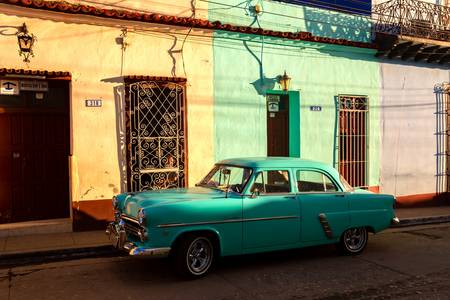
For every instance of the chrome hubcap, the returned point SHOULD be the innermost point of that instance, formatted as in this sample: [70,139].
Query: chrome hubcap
[355,238]
[199,255]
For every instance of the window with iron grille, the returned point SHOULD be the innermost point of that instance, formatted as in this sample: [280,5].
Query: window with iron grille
[442,92]
[156,135]
[352,139]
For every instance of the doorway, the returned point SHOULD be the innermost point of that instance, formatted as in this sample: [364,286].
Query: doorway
[277,124]
[34,151]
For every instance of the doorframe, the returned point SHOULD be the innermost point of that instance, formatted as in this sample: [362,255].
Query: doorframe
[20,74]
[294,120]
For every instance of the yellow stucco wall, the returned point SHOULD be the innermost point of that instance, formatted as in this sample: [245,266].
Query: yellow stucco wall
[87,47]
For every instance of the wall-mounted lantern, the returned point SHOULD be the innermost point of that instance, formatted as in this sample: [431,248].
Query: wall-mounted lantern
[284,81]
[26,42]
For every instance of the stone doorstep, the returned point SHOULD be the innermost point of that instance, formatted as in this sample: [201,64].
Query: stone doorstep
[36,227]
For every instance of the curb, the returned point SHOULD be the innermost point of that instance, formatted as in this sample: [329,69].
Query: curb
[20,259]
[422,221]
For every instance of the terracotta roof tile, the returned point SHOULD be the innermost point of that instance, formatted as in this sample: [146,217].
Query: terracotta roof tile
[132,78]
[49,74]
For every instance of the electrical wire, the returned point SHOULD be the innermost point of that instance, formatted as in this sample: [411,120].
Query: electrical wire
[366,30]
[228,6]
[319,3]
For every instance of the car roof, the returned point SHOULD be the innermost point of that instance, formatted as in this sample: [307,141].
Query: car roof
[275,162]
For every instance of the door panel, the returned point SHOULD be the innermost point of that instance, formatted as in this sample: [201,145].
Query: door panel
[278,224]
[278,129]
[34,150]
[335,208]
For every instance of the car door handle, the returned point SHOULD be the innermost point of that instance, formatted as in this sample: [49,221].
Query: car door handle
[289,197]
[340,195]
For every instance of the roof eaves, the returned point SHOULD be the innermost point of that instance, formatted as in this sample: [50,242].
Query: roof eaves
[65,7]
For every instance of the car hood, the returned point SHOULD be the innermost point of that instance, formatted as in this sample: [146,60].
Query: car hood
[134,201]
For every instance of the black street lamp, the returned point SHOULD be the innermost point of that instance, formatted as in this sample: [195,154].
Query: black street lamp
[26,42]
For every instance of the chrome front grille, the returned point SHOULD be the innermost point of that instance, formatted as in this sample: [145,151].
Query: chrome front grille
[133,228]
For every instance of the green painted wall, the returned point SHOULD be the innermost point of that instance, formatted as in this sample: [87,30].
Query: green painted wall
[289,17]
[246,66]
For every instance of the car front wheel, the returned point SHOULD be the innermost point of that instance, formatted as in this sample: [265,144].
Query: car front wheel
[353,240]
[194,256]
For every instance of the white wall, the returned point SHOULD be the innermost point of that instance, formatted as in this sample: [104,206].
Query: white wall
[408,162]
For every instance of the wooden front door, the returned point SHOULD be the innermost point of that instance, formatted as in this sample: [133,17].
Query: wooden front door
[277,125]
[34,150]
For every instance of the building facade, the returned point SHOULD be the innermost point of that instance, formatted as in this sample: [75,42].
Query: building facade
[148,95]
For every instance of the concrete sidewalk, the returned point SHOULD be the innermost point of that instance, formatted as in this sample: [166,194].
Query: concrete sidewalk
[17,247]
[29,244]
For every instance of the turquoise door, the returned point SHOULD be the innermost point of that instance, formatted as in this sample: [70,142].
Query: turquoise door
[271,219]
[324,208]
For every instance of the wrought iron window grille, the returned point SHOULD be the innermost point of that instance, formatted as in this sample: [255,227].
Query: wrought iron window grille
[352,138]
[156,135]
[442,92]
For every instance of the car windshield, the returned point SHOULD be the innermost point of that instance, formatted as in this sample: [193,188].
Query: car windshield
[226,177]
[347,186]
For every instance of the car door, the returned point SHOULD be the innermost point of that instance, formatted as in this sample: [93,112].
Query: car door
[271,214]
[324,209]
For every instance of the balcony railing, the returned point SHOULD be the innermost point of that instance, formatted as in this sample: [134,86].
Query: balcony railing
[413,18]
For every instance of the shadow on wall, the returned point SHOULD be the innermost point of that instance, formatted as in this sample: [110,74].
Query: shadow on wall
[263,83]
[82,221]
[120,112]
[338,25]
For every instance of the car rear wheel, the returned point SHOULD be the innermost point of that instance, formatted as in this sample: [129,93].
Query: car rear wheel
[194,256]
[353,241]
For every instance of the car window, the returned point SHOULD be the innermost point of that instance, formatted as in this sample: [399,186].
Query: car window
[227,177]
[271,182]
[313,181]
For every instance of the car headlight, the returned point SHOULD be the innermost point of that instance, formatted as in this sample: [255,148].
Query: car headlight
[141,216]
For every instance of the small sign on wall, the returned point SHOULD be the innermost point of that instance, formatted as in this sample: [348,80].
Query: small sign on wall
[315,108]
[93,103]
[34,85]
[273,103]
[9,87]
[273,106]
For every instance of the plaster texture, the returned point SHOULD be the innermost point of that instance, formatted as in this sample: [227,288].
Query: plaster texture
[88,48]
[408,148]
[283,16]
[246,67]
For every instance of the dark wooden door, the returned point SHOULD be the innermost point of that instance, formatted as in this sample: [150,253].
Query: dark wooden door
[278,128]
[34,150]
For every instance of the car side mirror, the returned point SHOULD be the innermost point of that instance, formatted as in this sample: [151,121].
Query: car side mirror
[255,193]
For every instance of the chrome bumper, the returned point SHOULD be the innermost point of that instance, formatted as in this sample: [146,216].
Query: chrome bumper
[118,239]
[395,221]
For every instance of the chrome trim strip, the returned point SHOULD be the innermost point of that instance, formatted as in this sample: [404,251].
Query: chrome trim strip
[325,225]
[129,219]
[226,221]
[150,251]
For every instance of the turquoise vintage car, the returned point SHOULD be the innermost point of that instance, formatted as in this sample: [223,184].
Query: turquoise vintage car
[249,205]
